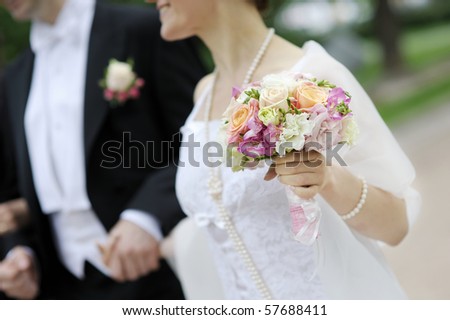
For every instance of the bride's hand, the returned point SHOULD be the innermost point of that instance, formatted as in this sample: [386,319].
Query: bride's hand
[306,172]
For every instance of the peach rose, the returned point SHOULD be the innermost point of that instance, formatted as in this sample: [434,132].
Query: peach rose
[309,94]
[240,118]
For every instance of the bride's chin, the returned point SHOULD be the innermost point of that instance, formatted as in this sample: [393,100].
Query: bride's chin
[170,34]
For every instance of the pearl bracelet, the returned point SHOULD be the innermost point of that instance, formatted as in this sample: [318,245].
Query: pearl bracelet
[360,204]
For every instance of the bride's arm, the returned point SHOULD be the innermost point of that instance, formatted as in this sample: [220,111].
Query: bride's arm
[383,215]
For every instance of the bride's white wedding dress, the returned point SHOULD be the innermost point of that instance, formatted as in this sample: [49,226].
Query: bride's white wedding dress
[342,264]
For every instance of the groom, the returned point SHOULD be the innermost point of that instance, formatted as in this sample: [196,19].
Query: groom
[97,227]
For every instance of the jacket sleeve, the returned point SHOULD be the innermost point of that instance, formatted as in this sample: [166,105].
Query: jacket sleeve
[175,71]
[8,180]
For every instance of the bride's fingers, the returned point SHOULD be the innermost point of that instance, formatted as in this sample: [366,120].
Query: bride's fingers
[295,168]
[271,173]
[296,156]
[299,180]
[306,193]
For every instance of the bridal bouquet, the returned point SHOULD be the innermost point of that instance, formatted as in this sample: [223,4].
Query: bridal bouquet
[284,113]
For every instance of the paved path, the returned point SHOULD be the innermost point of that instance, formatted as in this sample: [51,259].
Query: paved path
[422,261]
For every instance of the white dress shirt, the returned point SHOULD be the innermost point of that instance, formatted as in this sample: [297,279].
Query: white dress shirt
[54,131]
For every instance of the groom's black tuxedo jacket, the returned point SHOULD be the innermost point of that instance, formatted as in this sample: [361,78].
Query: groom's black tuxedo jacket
[171,71]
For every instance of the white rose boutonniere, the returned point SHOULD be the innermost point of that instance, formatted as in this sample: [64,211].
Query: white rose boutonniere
[120,82]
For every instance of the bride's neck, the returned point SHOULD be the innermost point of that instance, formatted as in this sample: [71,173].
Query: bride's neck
[234,39]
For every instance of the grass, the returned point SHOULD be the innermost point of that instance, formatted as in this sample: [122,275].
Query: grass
[415,102]
[422,48]
[426,45]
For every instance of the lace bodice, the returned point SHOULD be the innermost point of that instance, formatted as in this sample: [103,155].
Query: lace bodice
[261,215]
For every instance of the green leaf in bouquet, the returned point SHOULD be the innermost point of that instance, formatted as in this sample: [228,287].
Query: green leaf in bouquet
[343,109]
[130,61]
[102,83]
[252,93]
[326,84]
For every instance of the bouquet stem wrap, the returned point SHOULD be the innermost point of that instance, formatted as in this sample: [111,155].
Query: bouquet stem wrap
[305,218]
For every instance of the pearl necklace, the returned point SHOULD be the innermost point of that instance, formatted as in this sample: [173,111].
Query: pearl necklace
[215,185]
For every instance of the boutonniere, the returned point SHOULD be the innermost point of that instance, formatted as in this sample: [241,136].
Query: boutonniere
[120,82]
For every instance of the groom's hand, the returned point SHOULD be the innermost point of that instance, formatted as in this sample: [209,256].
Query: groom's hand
[18,275]
[130,252]
[13,215]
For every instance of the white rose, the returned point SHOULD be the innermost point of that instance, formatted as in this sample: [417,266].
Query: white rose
[119,76]
[276,89]
[274,97]
[296,127]
[282,79]
[350,131]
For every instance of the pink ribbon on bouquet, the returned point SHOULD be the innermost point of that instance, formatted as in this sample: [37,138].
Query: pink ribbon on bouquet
[305,218]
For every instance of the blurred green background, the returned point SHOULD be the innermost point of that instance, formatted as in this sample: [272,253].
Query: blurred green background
[386,43]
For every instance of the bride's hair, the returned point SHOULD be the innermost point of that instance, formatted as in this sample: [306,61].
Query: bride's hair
[262,5]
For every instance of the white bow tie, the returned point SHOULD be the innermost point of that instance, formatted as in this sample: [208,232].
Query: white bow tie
[66,27]
[44,36]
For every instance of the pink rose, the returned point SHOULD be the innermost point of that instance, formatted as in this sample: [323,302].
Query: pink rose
[122,97]
[108,94]
[134,93]
[139,82]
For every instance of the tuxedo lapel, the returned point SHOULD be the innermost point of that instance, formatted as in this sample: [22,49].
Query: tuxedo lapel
[106,42]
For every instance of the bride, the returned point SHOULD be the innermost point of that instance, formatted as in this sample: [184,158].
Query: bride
[254,252]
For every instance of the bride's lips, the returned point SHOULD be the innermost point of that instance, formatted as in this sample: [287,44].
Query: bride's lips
[162,5]
[159,3]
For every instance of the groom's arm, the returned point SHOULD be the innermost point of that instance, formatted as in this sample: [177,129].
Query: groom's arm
[13,209]
[8,181]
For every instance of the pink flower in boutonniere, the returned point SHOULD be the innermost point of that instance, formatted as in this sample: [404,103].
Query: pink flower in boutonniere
[121,82]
